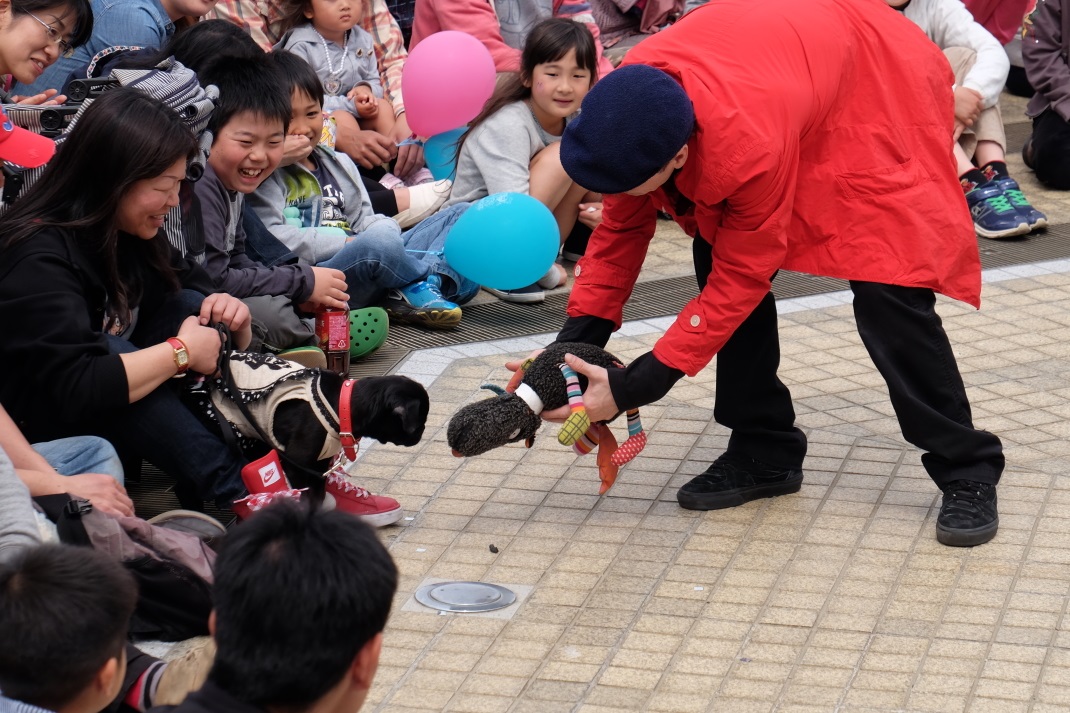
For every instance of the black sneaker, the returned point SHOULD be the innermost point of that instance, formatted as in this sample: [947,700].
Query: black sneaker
[734,479]
[967,515]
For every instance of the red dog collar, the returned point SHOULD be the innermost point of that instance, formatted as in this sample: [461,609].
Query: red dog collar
[350,443]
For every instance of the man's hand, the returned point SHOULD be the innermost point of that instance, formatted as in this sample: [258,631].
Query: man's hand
[968,105]
[102,490]
[410,156]
[368,148]
[329,289]
[597,397]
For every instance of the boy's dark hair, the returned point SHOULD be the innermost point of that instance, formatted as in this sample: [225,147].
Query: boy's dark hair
[298,593]
[250,84]
[64,612]
[299,75]
[199,48]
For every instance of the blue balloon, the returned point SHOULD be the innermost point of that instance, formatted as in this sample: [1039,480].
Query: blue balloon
[440,153]
[504,241]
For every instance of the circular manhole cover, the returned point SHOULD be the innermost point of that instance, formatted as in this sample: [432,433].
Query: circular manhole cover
[465,596]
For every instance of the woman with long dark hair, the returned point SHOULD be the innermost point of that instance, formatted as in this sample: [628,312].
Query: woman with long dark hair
[98,312]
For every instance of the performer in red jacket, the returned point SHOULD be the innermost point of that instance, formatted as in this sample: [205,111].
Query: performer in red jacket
[809,136]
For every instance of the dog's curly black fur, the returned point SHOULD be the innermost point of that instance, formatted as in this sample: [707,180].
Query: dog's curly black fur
[485,425]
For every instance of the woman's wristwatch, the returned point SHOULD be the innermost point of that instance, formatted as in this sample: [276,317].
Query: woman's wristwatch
[181,355]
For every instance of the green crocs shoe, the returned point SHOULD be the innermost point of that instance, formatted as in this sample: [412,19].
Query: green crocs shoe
[368,328]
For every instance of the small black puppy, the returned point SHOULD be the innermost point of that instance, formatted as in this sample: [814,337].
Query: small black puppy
[390,409]
[275,403]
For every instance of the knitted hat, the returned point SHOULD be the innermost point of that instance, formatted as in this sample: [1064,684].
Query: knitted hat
[632,122]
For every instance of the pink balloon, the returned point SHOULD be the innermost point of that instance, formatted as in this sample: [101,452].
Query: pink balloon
[447,79]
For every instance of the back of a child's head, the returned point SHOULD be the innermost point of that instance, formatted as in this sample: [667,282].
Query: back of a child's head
[298,593]
[298,75]
[551,39]
[64,612]
[247,84]
[209,42]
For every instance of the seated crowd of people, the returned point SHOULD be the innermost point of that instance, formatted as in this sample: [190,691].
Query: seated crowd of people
[251,164]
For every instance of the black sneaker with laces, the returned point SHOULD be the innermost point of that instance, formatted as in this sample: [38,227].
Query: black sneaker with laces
[968,514]
[734,479]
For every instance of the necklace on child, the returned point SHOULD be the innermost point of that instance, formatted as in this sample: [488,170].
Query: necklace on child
[333,83]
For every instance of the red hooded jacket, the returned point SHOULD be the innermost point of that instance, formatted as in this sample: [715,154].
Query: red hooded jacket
[823,144]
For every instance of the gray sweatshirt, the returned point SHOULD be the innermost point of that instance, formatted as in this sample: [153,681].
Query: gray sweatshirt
[496,156]
[225,260]
[353,64]
[18,524]
[296,187]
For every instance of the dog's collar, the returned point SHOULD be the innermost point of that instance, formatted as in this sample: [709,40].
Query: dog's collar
[350,443]
[528,396]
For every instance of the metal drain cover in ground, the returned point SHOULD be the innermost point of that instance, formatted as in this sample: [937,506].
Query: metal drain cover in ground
[465,596]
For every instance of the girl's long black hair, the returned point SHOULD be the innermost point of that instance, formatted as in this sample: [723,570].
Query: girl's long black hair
[548,41]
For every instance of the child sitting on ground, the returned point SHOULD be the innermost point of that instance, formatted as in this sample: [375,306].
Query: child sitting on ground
[64,613]
[249,126]
[1045,49]
[512,146]
[318,208]
[996,202]
[327,34]
[301,599]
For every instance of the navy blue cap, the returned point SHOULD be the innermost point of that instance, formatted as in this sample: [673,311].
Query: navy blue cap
[631,123]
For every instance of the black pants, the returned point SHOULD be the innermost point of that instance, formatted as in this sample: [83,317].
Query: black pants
[1051,150]
[906,340]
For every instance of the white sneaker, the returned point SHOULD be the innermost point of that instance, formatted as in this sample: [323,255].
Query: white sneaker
[556,276]
[424,201]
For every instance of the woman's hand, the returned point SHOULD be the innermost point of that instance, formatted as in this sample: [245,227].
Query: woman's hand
[221,307]
[202,345]
[49,97]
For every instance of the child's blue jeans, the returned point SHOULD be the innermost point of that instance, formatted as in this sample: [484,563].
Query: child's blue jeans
[382,258]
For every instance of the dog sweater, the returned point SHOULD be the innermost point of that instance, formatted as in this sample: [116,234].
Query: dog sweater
[266,381]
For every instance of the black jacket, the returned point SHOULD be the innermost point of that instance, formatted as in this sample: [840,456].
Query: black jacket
[55,368]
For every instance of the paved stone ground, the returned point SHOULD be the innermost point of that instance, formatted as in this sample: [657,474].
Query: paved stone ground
[838,598]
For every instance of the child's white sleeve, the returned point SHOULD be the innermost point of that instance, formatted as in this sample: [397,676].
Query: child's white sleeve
[954,26]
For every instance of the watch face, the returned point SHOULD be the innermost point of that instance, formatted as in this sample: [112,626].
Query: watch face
[182,357]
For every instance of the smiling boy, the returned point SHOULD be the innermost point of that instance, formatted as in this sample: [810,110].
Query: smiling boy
[249,125]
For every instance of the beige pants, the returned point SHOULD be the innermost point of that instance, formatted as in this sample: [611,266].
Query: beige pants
[989,124]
